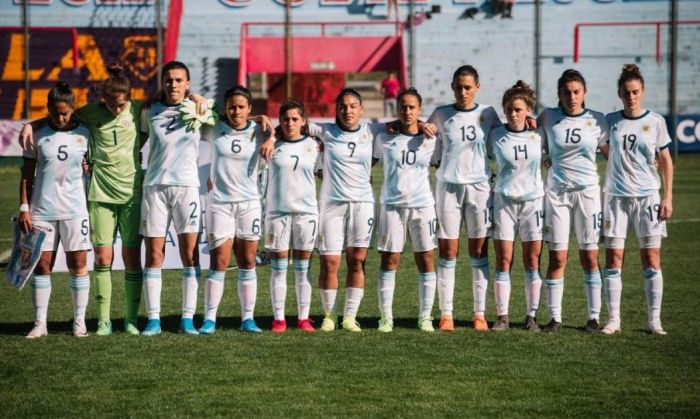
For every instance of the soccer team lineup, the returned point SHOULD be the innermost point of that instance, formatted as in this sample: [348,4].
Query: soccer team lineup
[532,178]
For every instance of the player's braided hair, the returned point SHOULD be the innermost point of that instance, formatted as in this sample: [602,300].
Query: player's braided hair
[629,72]
[520,90]
[61,93]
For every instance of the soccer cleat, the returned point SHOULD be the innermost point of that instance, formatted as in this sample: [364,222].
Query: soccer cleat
[611,328]
[249,326]
[79,329]
[502,323]
[425,324]
[279,326]
[131,328]
[479,324]
[208,327]
[187,326]
[38,330]
[152,328]
[328,324]
[447,324]
[385,325]
[592,326]
[531,324]
[656,329]
[552,327]
[104,328]
[350,324]
[306,325]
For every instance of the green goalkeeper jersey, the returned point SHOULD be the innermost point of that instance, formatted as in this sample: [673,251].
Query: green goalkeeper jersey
[113,152]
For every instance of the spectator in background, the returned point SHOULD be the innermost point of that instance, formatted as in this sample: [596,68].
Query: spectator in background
[390,89]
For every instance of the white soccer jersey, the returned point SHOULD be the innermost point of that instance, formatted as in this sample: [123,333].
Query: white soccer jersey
[461,142]
[347,161]
[235,161]
[634,143]
[518,155]
[406,161]
[173,153]
[571,142]
[59,190]
[291,187]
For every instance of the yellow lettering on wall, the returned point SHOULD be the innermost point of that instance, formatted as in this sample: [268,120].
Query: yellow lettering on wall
[14,65]
[89,57]
[37,107]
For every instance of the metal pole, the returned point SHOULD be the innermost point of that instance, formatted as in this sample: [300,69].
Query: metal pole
[27,92]
[674,70]
[538,52]
[159,39]
[411,46]
[288,45]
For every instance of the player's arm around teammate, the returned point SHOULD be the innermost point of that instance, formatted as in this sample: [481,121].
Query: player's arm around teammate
[463,193]
[517,206]
[407,206]
[291,212]
[573,134]
[52,199]
[171,193]
[637,138]
[233,216]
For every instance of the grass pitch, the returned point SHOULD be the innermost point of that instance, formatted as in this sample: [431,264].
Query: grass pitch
[406,373]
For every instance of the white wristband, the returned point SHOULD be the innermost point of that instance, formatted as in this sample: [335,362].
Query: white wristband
[24,208]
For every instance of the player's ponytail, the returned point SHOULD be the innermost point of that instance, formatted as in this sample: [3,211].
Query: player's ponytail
[61,93]
[569,76]
[629,72]
[117,83]
[522,91]
[412,92]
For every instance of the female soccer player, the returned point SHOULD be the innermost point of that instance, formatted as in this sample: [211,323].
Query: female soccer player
[572,134]
[463,193]
[291,210]
[233,216]
[346,206]
[407,204]
[52,176]
[637,138]
[517,207]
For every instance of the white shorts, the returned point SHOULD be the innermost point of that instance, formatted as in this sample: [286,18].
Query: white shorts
[578,209]
[345,224]
[642,213]
[224,221]
[469,204]
[161,203]
[302,228]
[511,219]
[421,224]
[73,234]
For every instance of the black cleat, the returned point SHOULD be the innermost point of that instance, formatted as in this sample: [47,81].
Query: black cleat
[592,326]
[502,323]
[531,324]
[552,327]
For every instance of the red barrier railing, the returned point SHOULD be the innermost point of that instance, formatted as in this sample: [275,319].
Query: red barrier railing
[73,32]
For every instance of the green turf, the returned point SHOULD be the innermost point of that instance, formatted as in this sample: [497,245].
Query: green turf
[405,373]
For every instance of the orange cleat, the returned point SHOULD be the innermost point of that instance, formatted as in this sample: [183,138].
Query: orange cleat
[306,325]
[480,324]
[447,324]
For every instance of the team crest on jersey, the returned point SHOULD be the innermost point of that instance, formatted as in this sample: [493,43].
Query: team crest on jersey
[532,137]
[126,122]
[589,123]
[309,149]
[80,140]
[608,224]
[646,128]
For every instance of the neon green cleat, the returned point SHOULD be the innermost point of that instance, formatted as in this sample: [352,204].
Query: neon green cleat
[329,322]
[425,324]
[386,325]
[350,324]
[104,328]
[131,328]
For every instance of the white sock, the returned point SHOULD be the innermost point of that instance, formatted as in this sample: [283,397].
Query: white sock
[41,293]
[190,284]
[213,291]
[302,284]
[80,292]
[501,290]
[247,292]
[533,286]
[555,292]
[613,291]
[426,293]
[278,286]
[152,284]
[593,284]
[328,297]
[480,284]
[386,283]
[654,287]
[353,297]
[446,285]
